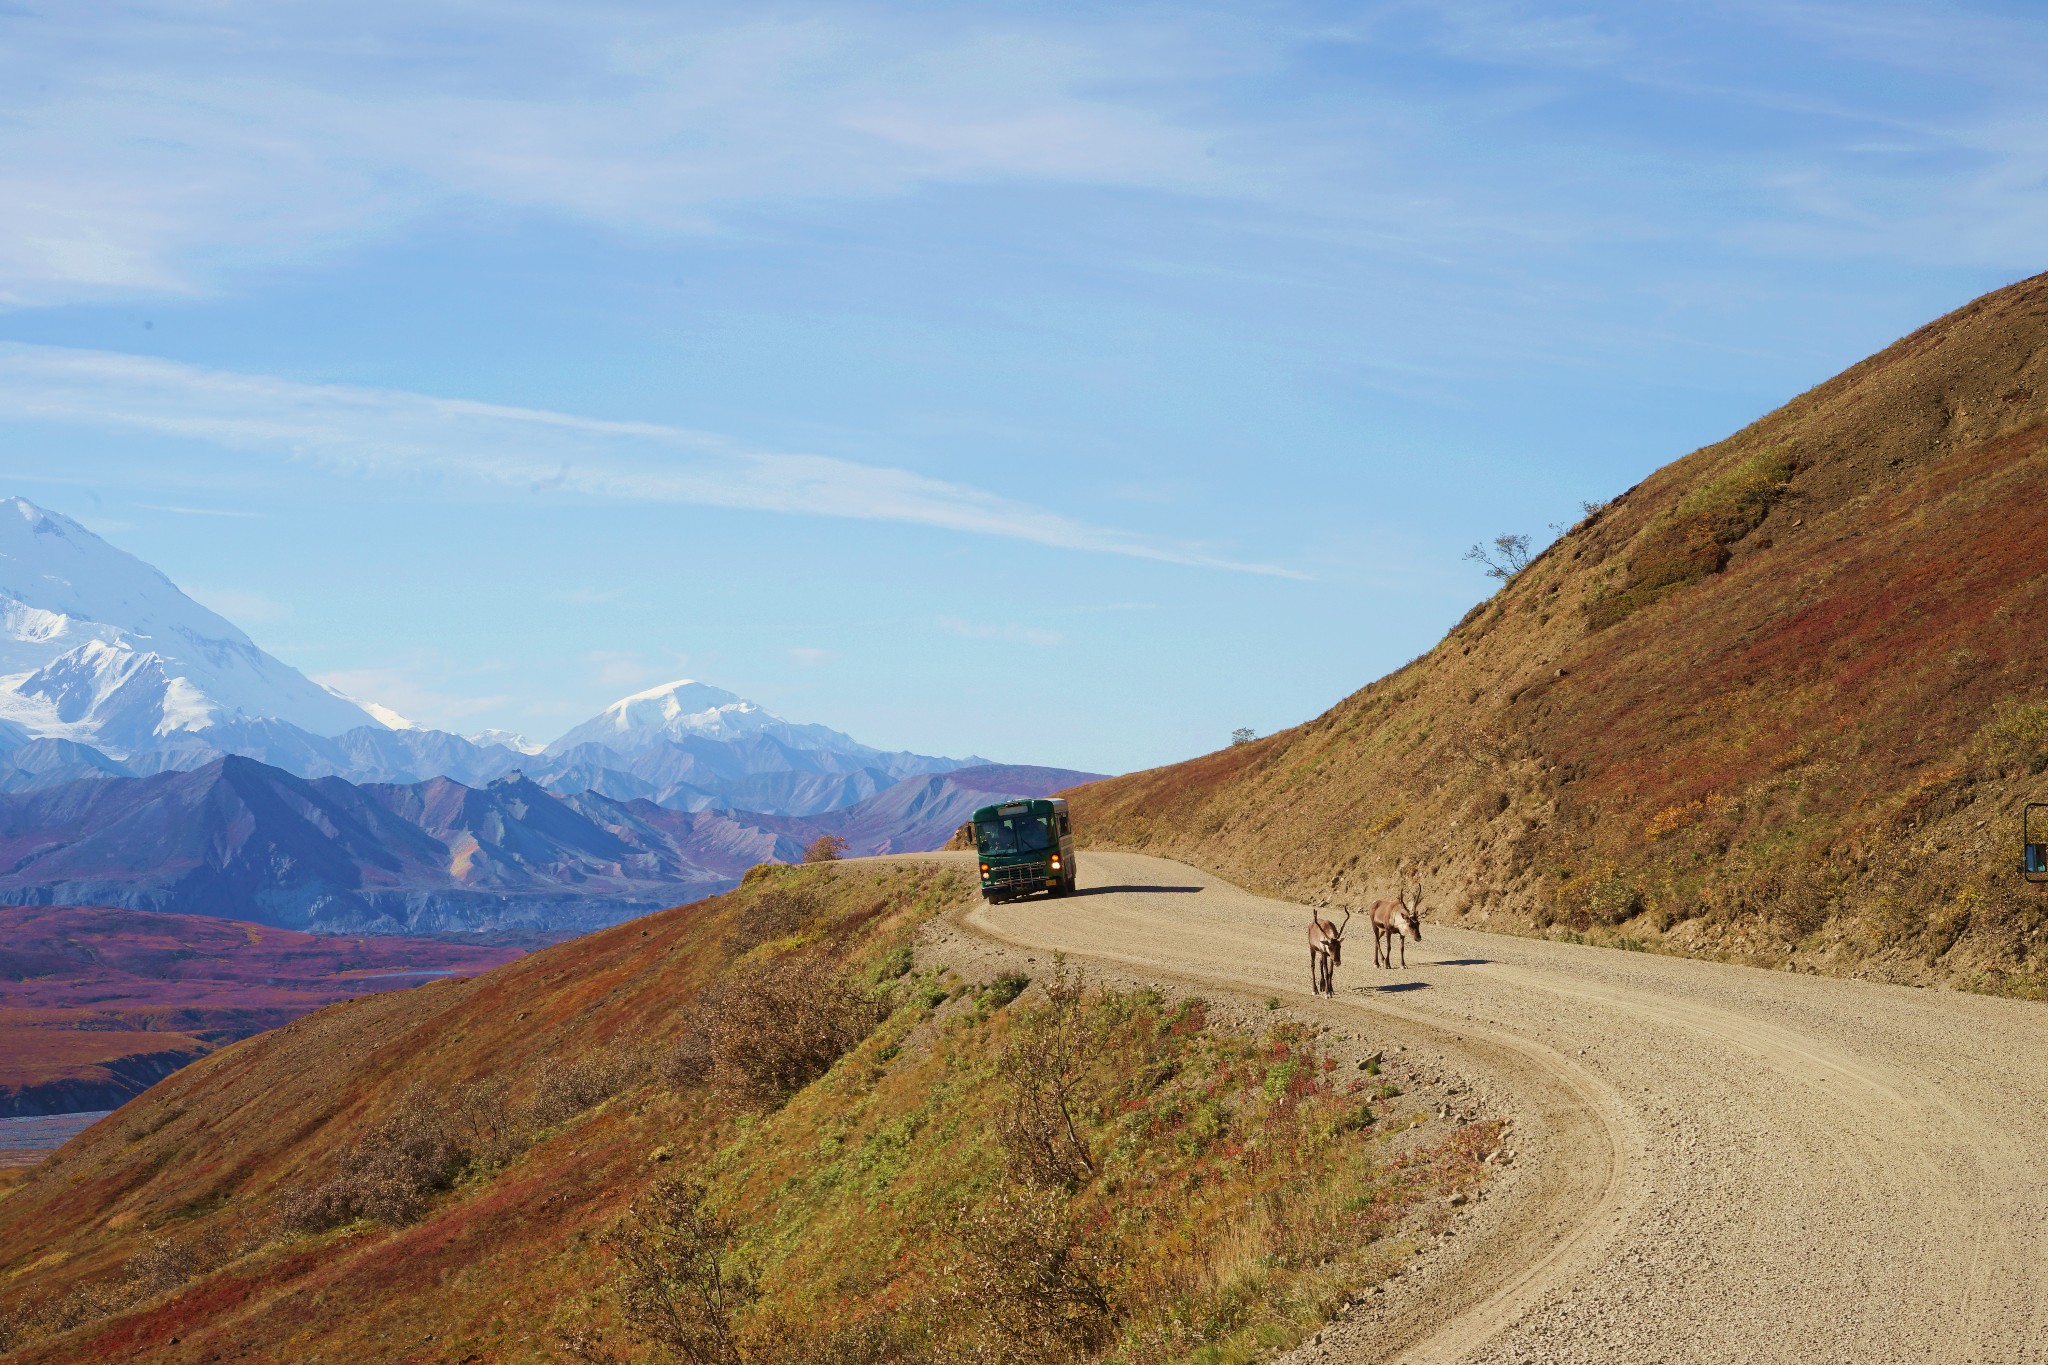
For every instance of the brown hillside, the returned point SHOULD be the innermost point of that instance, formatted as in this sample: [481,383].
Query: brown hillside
[895,1165]
[1780,702]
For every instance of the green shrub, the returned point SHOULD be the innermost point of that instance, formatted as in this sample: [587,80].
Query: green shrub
[1003,990]
[895,964]
[681,1282]
[388,1175]
[770,1027]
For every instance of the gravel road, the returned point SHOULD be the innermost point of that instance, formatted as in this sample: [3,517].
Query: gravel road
[1715,1163]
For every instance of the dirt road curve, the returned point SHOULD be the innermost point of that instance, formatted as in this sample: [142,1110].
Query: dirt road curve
[1717,1164]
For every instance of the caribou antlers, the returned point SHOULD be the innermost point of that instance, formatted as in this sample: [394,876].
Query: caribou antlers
[1325,951]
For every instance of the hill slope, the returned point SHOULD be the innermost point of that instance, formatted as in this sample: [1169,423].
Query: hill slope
[465,1171]
[1780,702]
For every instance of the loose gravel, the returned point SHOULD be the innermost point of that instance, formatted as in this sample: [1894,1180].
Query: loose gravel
[1709,1163]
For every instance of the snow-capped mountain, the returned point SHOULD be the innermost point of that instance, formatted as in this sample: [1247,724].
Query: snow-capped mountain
[383,715]
[99,648]
[687,709]
[510,739]
[107,670]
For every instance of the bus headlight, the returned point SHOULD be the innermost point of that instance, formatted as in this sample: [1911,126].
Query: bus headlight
[1055,860]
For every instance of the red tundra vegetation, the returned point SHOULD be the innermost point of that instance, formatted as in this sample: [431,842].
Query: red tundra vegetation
[748,1129]
[97,1003]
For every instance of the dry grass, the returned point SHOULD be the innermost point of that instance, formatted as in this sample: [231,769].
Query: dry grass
[771,1026]
[1794,723]
[1209,1194]
[1696,537]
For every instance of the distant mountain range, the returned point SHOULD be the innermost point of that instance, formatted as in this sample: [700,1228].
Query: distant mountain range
[152,756]
[244,840]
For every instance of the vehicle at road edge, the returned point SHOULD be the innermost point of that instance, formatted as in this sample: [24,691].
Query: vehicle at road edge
[1025,847]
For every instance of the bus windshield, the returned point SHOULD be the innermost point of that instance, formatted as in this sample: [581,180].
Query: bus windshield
[1019,834]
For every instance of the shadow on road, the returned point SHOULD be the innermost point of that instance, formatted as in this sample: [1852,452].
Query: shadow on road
[1465,962]
[1399,986]
[1112,890]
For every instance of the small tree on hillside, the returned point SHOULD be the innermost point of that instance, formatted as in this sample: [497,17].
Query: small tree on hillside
[1242,737]
[680,1284]
[826,848]
[1508,556]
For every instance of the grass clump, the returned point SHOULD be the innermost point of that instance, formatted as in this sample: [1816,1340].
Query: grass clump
[2015,739]
[1003,990]
[1695,538]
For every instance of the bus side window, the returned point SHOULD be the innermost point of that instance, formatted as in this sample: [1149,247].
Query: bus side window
[1065,826]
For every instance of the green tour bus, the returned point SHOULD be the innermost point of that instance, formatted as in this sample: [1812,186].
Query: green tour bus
[1024,847]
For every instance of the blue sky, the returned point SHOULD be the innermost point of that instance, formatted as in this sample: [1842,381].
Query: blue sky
[1066,384]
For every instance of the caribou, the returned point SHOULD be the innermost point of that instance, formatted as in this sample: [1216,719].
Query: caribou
[1392,919]
[1325,951]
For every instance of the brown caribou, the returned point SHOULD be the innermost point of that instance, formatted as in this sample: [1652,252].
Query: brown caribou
[1325,951]
[1395,919]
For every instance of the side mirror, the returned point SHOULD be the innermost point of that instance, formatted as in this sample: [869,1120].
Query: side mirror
[2034,842]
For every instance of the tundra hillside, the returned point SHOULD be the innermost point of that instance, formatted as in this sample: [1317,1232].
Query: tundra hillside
[748,1129]
[1780,703]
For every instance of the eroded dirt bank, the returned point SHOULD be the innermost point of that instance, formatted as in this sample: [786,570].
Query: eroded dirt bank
[1714,1163]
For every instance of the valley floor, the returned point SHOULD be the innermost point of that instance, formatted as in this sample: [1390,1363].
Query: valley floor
[1716,1163]
[25,1141]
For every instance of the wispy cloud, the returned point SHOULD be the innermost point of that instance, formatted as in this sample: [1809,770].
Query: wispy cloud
[391,433]
[161,148]
[145,149]
[809,656]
